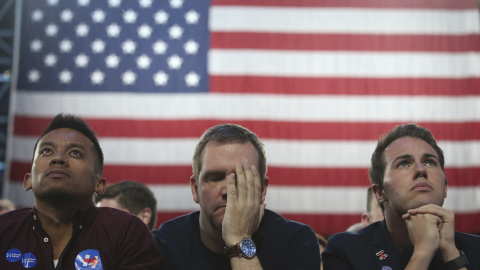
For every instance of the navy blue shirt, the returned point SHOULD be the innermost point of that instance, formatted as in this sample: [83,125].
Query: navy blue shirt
[281,244]
[373,248]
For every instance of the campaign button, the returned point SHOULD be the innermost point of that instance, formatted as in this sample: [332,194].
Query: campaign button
[88,259]
[29,260]
[13,255]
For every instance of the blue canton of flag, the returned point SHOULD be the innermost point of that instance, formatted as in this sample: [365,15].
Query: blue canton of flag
[134,46]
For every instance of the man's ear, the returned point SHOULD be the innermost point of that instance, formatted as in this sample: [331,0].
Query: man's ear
[27,183]
[194,187]
[379,193]
[264,189]
[365,219]
[145,215]
[100,185]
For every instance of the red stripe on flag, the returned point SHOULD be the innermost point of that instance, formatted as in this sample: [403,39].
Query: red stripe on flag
[390,4]
[345,86]
[30,126]
[280,176]
[345,42]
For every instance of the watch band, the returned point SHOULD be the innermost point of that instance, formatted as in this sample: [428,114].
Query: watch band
[233,251]
[456,263]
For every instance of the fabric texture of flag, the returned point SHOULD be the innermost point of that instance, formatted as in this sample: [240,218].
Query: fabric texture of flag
[318,81]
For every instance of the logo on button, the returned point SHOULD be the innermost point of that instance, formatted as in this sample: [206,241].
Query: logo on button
[29,260]
[88,259]
[13,255]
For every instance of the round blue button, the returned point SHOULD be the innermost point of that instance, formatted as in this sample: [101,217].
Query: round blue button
[13,255]
[29,260]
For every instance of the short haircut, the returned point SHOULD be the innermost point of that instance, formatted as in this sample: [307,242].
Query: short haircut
[230,133]
[378,164]
[133,196]
[76,123]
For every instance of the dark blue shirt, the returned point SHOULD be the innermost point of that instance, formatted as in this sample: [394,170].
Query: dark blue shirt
[373,248]
[281,244]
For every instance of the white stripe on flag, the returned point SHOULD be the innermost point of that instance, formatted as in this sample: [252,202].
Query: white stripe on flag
[342,20]
[254,107]
[289,153]
[344,64]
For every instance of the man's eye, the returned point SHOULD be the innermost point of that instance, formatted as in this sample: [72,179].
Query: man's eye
[76,153]
[430,163]
[402,164]
[214,178]
[45,151]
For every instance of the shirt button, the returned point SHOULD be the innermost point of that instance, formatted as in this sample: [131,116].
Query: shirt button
[45,239]
[34,217]
[80,227]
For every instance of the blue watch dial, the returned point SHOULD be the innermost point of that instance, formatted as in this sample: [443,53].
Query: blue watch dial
[248,247]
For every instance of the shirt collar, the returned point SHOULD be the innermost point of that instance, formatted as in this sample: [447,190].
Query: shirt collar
[83,216]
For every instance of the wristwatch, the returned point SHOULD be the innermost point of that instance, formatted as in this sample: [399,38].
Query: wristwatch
[245,248]
[456,263]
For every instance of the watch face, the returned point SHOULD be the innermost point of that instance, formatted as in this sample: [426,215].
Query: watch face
[248,247]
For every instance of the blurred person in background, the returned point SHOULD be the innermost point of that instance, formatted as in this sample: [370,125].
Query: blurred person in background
[133,197]
[373,214]
[6,206]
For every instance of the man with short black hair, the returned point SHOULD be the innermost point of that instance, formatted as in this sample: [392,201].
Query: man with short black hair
[233,230]
[65,230]
[408,179]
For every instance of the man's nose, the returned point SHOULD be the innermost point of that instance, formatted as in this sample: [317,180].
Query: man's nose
[420,171]
[58,159]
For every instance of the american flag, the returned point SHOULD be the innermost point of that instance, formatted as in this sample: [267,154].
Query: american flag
[318,81]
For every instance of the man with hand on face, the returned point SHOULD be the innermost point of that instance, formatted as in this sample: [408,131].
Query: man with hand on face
[408,180]
[65,230]
[233,230]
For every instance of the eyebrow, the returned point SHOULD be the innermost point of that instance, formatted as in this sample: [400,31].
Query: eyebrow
[70,145]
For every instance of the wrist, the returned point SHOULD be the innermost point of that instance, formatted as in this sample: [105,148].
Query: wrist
[450,254]
[424,253]
[233,240]
[457,263]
